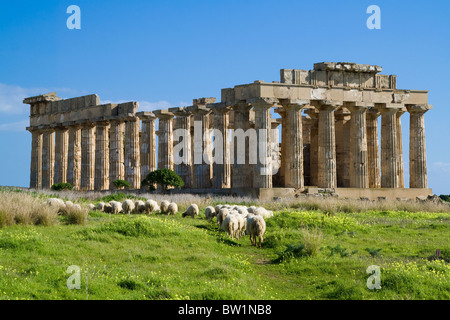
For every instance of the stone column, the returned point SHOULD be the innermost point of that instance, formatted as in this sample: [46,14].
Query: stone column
[102,156]
[373,154]
[294,143]
[148,143]
[275,153]
[183,157]
[242,173]
[36,158]
[132,155]
[306,126]
[401,177]
[88,156]
[165,139]
[61,152]
[262,174]
[116,151]
[48,158]
[327,144]
[359,175]
[222,166]
[202,147]
[389,167]
[417,150]
[74,157]
[314,147]
[342,127]
[284,138]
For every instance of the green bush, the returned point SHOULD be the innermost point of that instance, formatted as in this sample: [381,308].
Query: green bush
[164,177]
[121,184]
[62,186]
[445,197]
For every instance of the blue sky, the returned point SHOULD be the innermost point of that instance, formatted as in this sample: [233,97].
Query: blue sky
[165,53]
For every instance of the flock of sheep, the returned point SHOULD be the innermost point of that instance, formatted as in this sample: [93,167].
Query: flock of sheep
[235,220]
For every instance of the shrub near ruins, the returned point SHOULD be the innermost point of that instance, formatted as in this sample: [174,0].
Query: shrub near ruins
[165,178]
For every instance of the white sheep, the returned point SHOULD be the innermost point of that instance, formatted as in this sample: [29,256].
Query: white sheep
[260,211]
[231,225]
[192,211]
[172,209]
[116,207]
[210,213]
[217,208]
[242,225]
[151,206]
[101,206]
[91,207]
[139,206]
[127,206]
[164,206]
[256,226]
[251,209]
[221,216]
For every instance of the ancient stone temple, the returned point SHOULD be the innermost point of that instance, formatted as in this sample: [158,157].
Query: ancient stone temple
[312,130]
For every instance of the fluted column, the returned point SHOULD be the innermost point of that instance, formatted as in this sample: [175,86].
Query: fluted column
[148,143]
[389,167]
[202,147]
[401,177]
[165,139]
[294,143]
[359,175]
[417,149]
[74,157]
[61,153]
[36,158]
[327,144]
[88,156]
[116,151]
[183,154]
[262,174]
[132,154]
[373,153]
[342,128]
[314,147]
[284,138]
[48,158]
[242,173]
[222,165]
[102,156]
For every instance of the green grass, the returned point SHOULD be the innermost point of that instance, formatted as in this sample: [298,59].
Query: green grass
[168,257]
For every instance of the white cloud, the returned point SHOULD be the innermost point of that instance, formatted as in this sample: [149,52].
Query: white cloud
[18,126]
[444,166]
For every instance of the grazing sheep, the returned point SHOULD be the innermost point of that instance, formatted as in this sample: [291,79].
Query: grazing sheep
[256,226]
[91,207]
[192,211]
[242,225]
[127,206]
[231,225]
[260,211]
[57,203]
[251,209]
[243,211]
[172,209]
[139,206]
[101,206]
[151,206]
[164,206]
[221,216]
[217,208]
[116,207]
[108,208]
[210,213]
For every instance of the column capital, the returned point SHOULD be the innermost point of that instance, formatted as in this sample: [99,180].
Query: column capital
[373,112]
[330,105]
[221,108]
[199,109]
[164,114]
[342,114]
[262,102]
[312,113]
[418,108]
[355,106]
[388,108]
[102,123]
[241,106]
[146,115]
[294,103]
[180,112]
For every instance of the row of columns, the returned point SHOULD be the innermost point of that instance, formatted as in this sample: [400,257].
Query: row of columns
[91,155]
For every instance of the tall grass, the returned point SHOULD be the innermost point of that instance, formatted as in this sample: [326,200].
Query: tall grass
[23,208]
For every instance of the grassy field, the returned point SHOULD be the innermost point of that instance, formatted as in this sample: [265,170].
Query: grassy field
[307,253]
